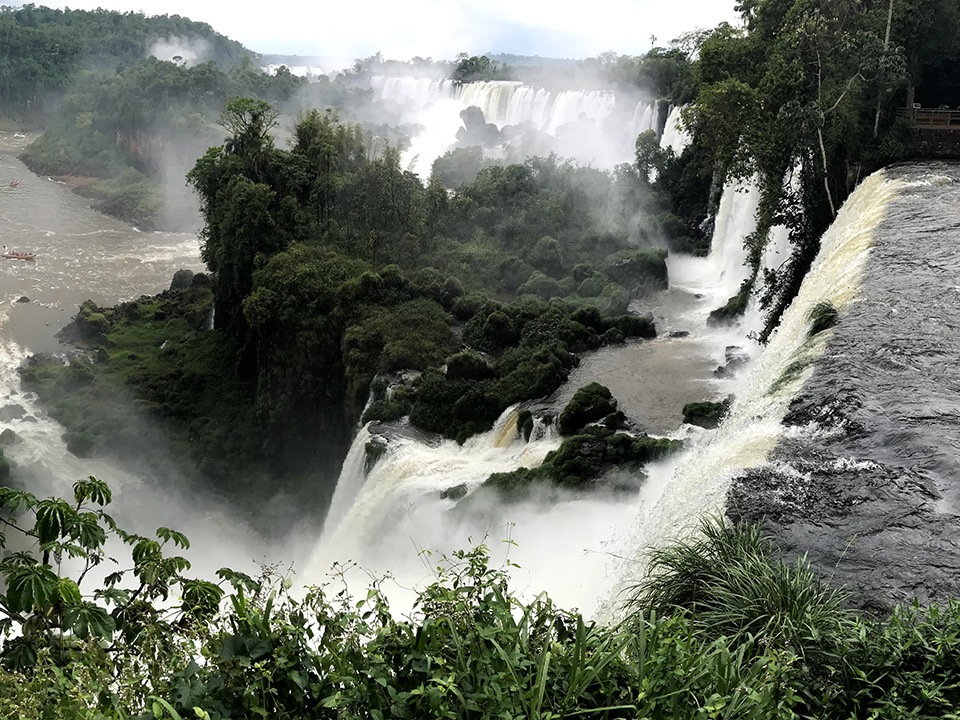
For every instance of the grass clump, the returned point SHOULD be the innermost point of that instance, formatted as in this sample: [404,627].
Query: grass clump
[822,316]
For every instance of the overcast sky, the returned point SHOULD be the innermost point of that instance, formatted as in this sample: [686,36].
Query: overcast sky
[440,29]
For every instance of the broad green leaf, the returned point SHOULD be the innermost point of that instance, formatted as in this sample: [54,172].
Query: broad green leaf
[69,591]
[178,538]
[92,489]
[30,586]
[201,597]
[89,620]
[53,517]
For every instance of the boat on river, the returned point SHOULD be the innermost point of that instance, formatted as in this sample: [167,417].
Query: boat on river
[14,255]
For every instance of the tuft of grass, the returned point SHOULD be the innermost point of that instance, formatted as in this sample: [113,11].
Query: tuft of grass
[732,584]
[822,316]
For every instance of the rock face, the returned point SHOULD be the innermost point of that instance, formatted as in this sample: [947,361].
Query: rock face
[867,480]
[476,131]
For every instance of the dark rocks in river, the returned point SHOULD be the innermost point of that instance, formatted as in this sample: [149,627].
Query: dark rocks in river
[476,130]
[454,493]
[182,279]
[707,415]
[23,299]
[12,412]
[8,437]
[734,358]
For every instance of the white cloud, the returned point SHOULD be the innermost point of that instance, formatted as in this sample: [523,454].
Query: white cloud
[440,29]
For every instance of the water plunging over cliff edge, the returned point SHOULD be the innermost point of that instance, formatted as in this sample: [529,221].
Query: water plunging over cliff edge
[572,544]
[865,478]
[745,439]
[596,127]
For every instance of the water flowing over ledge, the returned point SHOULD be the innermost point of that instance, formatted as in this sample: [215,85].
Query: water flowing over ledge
[864,479]
[701,478]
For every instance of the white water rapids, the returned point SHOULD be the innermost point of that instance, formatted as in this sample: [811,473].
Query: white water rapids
[581,549]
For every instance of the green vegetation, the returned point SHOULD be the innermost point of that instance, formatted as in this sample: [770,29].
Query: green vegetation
[706,414]
[588,452]
[590,403]
[722,629]
[823,316]
[805,98]
[584,461]
[470,68]
[42,50]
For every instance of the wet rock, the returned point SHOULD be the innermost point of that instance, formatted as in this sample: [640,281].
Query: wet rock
[734,358]
[476,131]
[8,437]
[707,415]
[454,493]
[677,334]
[11,412]
[874,530]
[866,481]
[23,299]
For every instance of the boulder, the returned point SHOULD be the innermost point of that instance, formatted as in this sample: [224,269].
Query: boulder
[11,412]
[8,437]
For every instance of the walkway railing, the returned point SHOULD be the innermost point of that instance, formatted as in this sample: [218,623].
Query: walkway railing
[933,118]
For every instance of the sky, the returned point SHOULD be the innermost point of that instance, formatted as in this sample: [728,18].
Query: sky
[402,29]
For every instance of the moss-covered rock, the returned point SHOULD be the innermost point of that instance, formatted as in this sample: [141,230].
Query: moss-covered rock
[583,459]
[589,404]
[706,414]
[734,308]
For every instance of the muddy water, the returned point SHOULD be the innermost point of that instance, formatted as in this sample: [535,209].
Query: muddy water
[82,254]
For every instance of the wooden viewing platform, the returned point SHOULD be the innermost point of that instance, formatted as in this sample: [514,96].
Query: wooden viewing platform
[932,118]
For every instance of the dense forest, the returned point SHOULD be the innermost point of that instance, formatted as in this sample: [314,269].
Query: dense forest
[343,289]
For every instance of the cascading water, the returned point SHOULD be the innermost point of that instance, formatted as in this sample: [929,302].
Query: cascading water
[701,479]
[675,135]
[580,548]
[436,104]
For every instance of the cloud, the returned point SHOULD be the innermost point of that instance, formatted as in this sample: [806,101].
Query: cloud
[442,28]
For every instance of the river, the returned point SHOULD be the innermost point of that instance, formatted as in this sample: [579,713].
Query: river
[83,254]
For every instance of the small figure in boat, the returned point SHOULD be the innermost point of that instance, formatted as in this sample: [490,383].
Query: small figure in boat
[14,183]
[13,255]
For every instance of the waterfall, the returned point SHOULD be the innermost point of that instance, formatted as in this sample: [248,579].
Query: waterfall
[406,485]
[675,136]
[700,480]
[718,276]
[435,105]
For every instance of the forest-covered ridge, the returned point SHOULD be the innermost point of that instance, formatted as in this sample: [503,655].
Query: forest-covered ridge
[417,265]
